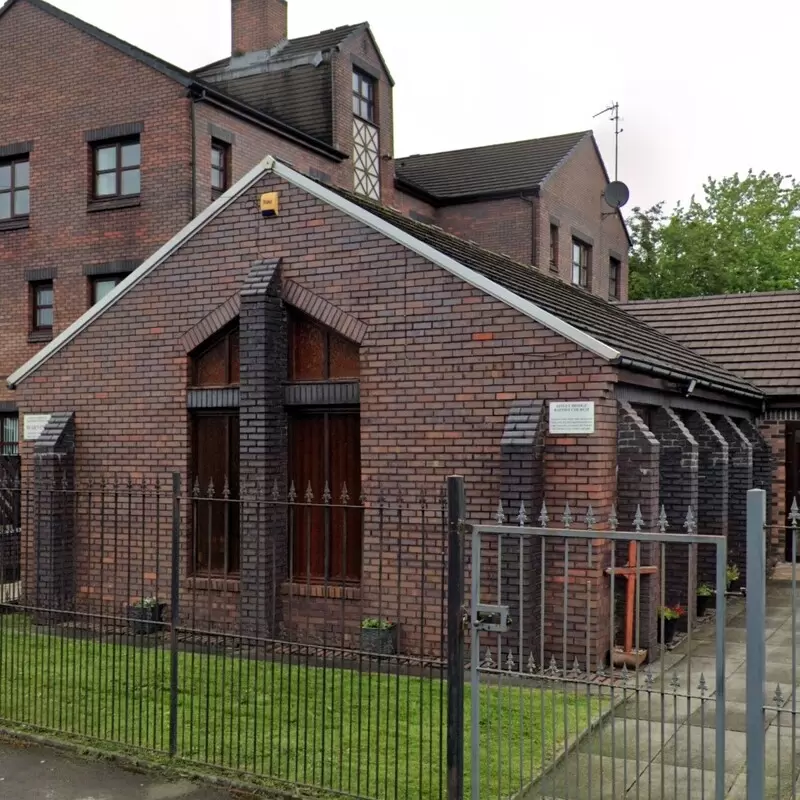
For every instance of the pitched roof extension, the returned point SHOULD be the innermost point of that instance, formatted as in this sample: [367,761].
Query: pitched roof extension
[594,324]
[495,169]
[753,335]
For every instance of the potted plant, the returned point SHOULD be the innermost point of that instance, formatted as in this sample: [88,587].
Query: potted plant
[378,636]
[705,598]
[668,618]
[146,615]
[732,575]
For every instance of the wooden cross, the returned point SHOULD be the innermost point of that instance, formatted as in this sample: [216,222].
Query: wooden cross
[631,573]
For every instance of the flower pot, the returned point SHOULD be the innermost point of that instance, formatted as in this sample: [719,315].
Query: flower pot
[669,630]
[735,587]
[381,641]
[146,620]
[704,602]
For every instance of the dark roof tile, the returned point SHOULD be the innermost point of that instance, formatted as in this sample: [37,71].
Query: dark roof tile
[495,169]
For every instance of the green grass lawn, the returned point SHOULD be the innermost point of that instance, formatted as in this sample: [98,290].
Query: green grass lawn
[371,733]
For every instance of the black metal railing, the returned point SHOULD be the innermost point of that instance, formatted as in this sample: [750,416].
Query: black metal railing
[147,618]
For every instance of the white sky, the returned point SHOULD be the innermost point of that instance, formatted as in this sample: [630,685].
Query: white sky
[706,87]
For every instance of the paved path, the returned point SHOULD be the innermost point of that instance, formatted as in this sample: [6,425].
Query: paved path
[38,773]
[657,749]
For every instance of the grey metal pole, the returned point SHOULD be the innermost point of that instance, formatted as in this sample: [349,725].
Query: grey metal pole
[456,515]
[756,649]
[174,613]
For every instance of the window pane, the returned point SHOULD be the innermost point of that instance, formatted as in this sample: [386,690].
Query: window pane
[22,173]
[10,429]
[5,177]
[234,369]
[131,155]
[22,201]
[44,296]
[5,205]
[106,158]
[343,358]
[217,178]
[44,318]
[216,157]
[356,81]
[131,182]
[103,287]
[576,253]
[212,366]
[356,104]
[308,351]
[105,184]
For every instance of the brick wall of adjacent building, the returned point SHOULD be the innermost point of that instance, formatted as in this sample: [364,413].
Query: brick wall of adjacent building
[572,198]
[774,433]
[442,365]
[763,460]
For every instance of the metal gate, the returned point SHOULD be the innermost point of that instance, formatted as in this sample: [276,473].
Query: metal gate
[577,690]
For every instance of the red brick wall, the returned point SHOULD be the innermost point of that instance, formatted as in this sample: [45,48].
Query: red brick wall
[441,366]
[573,195]
[505,226]
[257,24]
[775,434]
[52,99]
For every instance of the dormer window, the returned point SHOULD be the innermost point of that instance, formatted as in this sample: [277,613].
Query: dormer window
[363,95]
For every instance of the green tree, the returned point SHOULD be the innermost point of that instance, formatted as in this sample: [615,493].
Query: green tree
[744,236]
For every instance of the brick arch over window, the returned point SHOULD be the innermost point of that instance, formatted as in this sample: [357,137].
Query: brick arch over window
[324,312]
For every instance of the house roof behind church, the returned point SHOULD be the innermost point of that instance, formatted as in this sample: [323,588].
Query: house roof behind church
[754,335]
[494,169]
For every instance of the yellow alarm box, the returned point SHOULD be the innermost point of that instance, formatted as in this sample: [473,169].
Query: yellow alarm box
[269,204]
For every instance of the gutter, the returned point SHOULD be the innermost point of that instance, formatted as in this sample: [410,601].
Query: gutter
[662,372]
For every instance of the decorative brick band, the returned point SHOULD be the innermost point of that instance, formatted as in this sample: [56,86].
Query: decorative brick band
[326,393]
[781,415]
[324,312]
[119,267]
[41,274]
[222,134]
[114,131]
[209,325]
[18,149]
[212,398]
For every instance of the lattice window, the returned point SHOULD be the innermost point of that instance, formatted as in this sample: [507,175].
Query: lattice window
[366,159]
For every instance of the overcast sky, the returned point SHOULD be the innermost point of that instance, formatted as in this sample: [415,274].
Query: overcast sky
[706,87]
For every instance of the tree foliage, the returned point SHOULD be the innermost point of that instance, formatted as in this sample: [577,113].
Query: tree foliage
[744,236]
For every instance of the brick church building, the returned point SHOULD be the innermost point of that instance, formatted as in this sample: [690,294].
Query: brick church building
[399,319]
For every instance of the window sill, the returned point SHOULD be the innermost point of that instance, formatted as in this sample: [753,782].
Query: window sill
[213,583]
[37,337]
[114,203]
[331,591]
[14,224]
[217,193]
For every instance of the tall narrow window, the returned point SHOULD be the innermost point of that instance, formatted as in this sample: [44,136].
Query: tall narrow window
[363,95]
[554,248]
[15,198]
[220,166]
[215,459]
[581,263]
[43,306]
[117,169]
[9,435]
[614,268]
[324,455]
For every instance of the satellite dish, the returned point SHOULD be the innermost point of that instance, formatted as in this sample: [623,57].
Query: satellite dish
[616,194]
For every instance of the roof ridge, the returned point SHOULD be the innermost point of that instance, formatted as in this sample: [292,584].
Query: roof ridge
[724,296]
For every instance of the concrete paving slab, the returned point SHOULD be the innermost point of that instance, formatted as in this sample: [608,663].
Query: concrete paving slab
[696,747]
[627,738]
[735,715]
[38,773]
[599,777]
[669,782]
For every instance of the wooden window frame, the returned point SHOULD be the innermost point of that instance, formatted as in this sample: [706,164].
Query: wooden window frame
[36,287]
[583,265]
[614,272]
[227,334]
[14,188]
[364,81]
[554,231]
[118,169]
[294,317]
[95,279]
[224,149]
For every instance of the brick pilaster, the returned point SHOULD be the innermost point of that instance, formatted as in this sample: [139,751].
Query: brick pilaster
[740,481]
[679,464]
[638,486]
[263,447]
[712,501]
[53,515]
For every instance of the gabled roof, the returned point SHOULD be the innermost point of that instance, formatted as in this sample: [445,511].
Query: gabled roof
[193,84]
[507,168]
[592,323]
[753,335]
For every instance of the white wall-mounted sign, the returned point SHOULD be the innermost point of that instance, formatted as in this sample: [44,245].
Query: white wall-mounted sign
[34,426]
[572,418]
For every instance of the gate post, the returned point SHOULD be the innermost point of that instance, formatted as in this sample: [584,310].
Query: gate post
[756,648]
[456,514]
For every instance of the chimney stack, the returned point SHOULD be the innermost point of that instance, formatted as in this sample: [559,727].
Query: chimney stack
[258,24]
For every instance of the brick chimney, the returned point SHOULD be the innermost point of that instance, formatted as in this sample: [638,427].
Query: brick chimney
[258,24]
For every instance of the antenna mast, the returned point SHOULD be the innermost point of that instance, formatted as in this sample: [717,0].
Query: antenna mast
[613,109]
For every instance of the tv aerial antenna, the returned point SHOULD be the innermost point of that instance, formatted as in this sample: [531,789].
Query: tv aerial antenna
[616,194]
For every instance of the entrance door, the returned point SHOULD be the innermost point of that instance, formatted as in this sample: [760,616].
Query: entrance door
[792,481]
